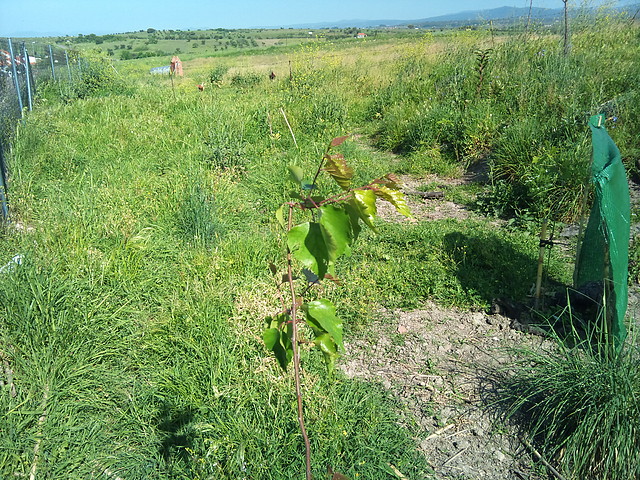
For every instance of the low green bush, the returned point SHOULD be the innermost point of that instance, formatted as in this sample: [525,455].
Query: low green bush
[246,80]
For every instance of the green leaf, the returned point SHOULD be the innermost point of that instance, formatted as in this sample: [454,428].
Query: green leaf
[336,166]
[296,173]
[295,194]
[311,277]
[336,229]
[307,245]
[321,317]
[395,197]
[329,350]
[364,202]
[277,338]
[354,220]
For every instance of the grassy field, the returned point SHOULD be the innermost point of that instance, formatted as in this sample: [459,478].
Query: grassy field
[144,210]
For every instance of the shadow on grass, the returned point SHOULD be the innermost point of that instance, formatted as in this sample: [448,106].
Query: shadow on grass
[174,429]
[490,266]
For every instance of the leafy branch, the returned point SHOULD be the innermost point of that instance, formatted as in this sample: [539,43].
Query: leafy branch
[313,248]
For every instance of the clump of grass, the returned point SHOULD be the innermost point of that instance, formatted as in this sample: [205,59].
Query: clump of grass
[246,80]
[97,77]
[198,219]
[581,405]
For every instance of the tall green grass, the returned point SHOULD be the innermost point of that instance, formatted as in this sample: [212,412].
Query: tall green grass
[520,105]
[580,404]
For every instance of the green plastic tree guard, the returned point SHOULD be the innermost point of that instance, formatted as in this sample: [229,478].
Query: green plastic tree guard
[604,254]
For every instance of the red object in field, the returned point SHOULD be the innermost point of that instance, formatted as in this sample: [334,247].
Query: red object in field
[200,87]
[176,66]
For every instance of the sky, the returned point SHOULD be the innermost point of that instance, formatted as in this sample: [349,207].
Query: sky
[22,18]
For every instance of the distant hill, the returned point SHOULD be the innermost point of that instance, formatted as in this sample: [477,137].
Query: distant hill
[506,14]
[470,16]
[500,13]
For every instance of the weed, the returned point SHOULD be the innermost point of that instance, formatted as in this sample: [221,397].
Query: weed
[246,80]
[217,74]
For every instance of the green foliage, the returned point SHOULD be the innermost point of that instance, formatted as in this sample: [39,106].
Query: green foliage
[319,243]
[523,105]
[465,264]
[97,77]
[634,260]
[246,80]
[217,74]
[227,149]
[580,405]
[198,219]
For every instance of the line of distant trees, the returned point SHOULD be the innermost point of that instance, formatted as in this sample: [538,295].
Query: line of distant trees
[242,38]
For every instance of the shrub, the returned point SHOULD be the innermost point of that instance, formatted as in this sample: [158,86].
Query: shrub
[97,77]
[217,74]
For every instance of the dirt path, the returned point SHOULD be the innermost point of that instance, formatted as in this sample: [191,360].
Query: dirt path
[435,360]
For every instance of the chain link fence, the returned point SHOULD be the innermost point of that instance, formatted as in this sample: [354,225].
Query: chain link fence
[24,67]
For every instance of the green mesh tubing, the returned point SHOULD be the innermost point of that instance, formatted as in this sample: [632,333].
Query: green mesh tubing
[604,253]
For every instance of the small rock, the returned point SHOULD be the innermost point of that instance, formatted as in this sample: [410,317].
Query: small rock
[462,444]
[402,329]
[500,456]
[446,413]
[477,318]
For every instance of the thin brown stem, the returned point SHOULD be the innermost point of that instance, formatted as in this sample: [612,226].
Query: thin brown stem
[296,353]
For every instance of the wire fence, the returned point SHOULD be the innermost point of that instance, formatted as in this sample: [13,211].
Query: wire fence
[24,67]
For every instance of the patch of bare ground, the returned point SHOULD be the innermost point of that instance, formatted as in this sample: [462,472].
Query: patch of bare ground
[435,362]
[425,208]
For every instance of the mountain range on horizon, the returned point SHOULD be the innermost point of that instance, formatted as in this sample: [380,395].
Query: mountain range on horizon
[468,16]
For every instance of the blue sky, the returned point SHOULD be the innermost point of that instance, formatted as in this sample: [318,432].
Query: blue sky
[72,17]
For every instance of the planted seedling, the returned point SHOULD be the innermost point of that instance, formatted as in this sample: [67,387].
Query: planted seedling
[330,226]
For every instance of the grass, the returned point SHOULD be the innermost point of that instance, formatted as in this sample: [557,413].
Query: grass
[579,404]
[456,263]
[132,330]
[523,110]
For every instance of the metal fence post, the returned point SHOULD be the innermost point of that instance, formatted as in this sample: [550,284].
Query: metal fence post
[15,76]
[27,67]
[53,70]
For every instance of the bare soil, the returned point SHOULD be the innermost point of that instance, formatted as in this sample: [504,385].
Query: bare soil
[438,363]
[436,360]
